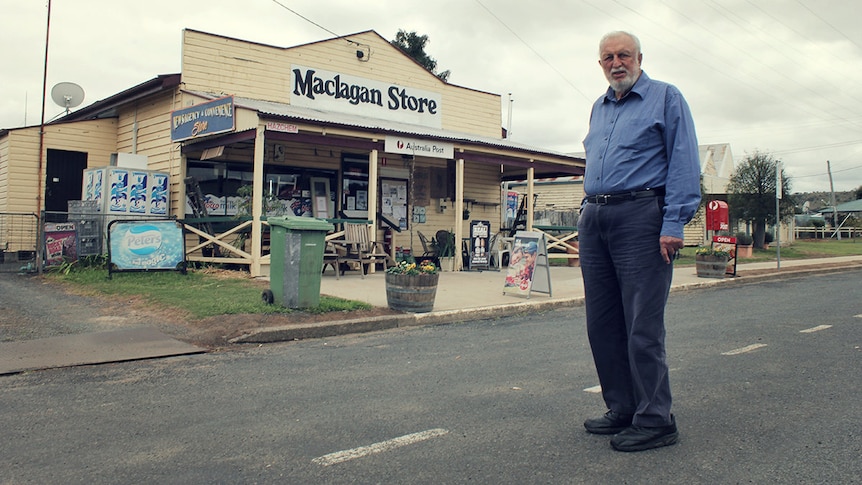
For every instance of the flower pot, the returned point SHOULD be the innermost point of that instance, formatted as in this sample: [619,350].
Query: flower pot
[411,293]
[710,266]
[744,251]
[447,263]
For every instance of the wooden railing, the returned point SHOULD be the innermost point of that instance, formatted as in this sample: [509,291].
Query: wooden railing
[232,240]
[561,239]
[826,232]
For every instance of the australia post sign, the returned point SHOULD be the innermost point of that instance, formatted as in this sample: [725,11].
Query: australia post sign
[413,146]
[343,93]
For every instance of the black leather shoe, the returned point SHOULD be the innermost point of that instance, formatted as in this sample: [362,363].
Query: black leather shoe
[611,423]
[639,438]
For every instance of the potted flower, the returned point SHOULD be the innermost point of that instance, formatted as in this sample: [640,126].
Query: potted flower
[711,262]
[744,245]
[444,247]
[412,287]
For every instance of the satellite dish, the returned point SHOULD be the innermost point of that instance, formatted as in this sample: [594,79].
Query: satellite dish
[67,95]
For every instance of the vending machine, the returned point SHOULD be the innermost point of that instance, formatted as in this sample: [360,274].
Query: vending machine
[127,192]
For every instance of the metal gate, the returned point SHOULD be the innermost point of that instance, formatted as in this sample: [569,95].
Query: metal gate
[19,236]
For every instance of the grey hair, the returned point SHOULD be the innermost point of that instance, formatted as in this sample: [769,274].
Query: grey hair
[619,33]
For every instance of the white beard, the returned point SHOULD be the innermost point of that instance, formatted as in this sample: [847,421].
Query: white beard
[623,85]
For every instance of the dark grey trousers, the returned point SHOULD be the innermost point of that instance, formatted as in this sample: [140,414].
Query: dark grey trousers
[626,283]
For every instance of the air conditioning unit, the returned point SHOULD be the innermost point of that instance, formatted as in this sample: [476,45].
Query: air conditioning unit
[129,160]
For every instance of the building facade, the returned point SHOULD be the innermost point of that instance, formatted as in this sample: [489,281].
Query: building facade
[342,129]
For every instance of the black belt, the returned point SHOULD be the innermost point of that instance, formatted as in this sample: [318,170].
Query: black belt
[618,197]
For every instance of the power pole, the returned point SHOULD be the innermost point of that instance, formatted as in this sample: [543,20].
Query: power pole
[778,185]
[834,208]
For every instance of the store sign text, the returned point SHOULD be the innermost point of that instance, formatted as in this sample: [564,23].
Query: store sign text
[348,94]
[410,146]
[209,118]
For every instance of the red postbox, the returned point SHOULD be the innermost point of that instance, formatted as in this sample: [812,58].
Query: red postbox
[716,216]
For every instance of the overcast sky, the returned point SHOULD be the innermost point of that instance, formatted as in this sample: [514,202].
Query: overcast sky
[778,76]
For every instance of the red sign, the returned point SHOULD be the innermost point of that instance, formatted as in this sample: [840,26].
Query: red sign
[727,243]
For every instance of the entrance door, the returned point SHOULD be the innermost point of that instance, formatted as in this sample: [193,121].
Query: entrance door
[64,176]
[321,200]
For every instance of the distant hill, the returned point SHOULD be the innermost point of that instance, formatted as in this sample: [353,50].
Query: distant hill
[819,200]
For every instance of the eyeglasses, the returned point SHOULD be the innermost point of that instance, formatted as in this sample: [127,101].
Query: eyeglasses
[622,56]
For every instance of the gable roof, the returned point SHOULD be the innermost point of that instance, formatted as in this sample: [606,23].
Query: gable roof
[716,167]
[106,108]
[852,206]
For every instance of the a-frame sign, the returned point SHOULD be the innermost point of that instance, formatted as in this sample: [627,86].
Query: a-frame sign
[528,265]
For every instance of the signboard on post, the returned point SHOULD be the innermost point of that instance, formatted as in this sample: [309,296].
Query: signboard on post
[61,243]
[528,265]
[145,246]
[727,243]
[480,255]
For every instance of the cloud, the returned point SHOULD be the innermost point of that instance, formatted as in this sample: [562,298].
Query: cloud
[771,75]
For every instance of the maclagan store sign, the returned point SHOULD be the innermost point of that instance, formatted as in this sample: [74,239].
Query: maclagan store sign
[342,93]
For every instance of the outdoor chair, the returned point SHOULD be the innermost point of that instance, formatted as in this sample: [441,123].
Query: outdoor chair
[429,251]
[332,257]
[360,249]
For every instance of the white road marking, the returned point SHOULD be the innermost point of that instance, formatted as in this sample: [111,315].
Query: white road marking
[346,455]
[594,389]
[858,316]
[745,349]
[815,329]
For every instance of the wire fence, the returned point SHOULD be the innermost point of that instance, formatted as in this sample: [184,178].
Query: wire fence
[18,239]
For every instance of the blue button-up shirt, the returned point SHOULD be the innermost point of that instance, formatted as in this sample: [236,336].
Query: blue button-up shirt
[645,140]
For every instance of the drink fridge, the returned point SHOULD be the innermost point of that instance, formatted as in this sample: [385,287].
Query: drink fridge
[127,192]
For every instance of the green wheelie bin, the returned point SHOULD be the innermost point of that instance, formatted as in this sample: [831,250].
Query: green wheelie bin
[296,260]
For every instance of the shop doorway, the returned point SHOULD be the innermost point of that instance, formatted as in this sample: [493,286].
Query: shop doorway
[64,175]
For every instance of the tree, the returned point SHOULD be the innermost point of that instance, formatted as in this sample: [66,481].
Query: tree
[751,194]
[413,45]
[859,192]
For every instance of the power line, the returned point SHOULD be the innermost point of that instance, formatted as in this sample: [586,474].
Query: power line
[312,22]
[827,173]
[828,24]
[569,82]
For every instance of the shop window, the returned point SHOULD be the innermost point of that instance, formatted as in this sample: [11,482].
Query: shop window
[226,187]
[354,186]
[394,198]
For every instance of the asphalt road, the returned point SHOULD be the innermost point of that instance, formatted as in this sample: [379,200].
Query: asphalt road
[765,378]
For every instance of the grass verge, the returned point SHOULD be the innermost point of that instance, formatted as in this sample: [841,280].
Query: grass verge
[200,294]
[207,293]
[800,249]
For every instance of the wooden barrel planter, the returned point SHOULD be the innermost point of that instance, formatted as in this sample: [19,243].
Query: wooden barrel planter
[710,266]
[411,293]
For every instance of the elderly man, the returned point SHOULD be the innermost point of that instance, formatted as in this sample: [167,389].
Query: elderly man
[642,182]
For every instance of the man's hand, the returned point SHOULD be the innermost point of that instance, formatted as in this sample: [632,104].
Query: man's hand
[670,247]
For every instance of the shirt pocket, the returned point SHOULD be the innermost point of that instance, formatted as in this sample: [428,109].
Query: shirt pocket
[638,134]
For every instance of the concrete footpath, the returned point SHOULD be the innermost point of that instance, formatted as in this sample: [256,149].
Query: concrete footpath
[472,295]
[461,296]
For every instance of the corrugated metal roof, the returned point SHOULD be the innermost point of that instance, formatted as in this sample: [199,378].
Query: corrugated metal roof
[852,206]
[283,110]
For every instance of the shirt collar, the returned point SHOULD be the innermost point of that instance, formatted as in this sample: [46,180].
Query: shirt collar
[640,88]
